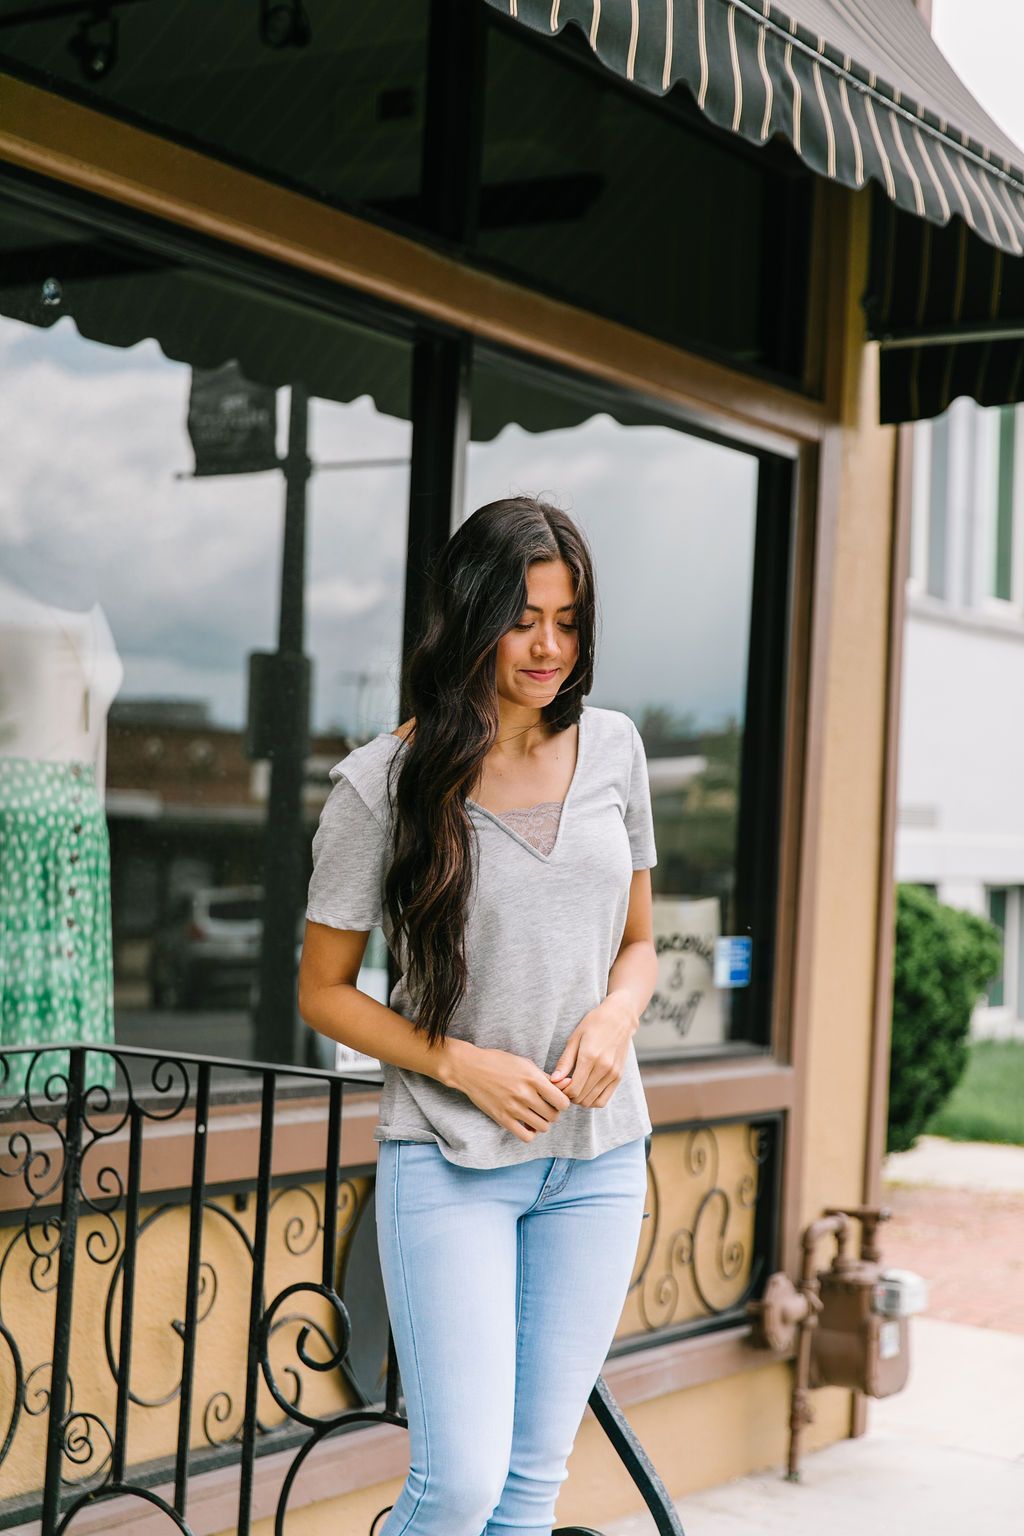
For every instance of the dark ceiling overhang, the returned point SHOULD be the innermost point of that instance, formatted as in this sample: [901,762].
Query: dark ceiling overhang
[864,95]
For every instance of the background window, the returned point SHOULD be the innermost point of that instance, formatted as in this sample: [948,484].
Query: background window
[1006,910]
[930,505]
[938,506]
[344,117]
[1002,572]
[997,911]
[1004,510]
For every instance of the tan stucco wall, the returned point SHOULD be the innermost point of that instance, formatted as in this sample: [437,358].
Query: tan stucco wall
[852,778]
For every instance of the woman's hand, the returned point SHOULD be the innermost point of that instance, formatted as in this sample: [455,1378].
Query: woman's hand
[594,1059]
[512,1090]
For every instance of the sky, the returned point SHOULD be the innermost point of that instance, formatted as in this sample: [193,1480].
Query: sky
[984,42]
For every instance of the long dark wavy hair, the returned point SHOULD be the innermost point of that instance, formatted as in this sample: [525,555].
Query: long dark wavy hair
[476,591]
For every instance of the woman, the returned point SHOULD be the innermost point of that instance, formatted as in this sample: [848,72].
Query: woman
[502,837]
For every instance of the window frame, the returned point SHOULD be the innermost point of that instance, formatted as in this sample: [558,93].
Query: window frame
[987,491]
[1011,973]
[923,509]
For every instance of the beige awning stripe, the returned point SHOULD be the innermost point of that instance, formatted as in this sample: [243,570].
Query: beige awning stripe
[755,69]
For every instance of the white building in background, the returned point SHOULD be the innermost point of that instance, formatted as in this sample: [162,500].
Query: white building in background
[961,770]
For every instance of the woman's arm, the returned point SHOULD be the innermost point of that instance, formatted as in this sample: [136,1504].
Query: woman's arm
[595,1052]
[634,972]
[331,1003]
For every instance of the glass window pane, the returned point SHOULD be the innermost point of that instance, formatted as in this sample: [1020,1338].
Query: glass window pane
[997,914]
[151,520]
[685,623]
[340,117]
[648,216]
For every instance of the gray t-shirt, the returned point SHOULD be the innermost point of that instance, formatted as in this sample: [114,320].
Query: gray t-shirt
[542,933]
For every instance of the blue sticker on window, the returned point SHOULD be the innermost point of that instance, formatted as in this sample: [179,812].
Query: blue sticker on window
[732,960]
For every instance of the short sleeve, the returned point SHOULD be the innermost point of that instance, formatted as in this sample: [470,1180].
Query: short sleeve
[345,888]
[638,815]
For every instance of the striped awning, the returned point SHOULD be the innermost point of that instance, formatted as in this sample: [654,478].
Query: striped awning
[947,309]
[862,92]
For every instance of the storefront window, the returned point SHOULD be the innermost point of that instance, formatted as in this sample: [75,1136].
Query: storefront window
[690,542]
[650,217]
[336,112]
[161,544]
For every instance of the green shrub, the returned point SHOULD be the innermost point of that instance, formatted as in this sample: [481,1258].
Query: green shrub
[944,960]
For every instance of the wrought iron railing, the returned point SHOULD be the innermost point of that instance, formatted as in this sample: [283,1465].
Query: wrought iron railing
[109,1279]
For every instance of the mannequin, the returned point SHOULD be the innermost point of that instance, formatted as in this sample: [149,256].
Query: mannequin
[59,673]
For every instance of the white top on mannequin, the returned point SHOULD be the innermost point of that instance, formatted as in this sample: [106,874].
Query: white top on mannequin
[59,674]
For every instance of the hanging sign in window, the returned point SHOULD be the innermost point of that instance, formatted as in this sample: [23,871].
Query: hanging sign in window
[232,422]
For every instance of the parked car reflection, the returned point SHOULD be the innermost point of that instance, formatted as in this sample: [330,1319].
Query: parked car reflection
[207,947]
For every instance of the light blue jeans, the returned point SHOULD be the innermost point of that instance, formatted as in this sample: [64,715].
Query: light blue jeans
[504,1288]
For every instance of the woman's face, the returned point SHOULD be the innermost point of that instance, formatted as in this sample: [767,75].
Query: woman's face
[536,655]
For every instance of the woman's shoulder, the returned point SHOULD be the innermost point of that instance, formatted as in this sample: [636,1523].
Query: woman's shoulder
[611,726]
[366,769]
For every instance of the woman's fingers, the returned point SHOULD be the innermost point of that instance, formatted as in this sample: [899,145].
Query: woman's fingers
[584,1079]
[600,1090]
[553,1093]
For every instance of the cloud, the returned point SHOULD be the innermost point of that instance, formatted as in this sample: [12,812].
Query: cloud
[188,570]
[670,521]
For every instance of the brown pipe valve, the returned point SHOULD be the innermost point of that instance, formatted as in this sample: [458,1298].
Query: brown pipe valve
[779,1313]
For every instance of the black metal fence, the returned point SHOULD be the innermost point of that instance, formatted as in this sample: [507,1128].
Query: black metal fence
[107,1277]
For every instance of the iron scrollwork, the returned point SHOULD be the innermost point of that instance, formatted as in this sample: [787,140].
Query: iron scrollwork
[139,1291]
[719,1249]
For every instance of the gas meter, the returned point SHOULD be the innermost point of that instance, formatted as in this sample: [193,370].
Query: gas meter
[849,1322]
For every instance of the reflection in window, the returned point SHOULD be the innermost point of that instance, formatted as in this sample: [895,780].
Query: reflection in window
[683,591]
[651,216]
[152,519]
[340,116]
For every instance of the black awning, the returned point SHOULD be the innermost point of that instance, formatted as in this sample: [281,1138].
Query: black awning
[864,95]
[948,312]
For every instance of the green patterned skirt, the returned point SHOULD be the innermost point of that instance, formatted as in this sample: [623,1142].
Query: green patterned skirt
[56,953]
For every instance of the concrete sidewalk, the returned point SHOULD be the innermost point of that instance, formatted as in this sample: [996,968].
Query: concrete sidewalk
[977,1165]
[944,1455]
